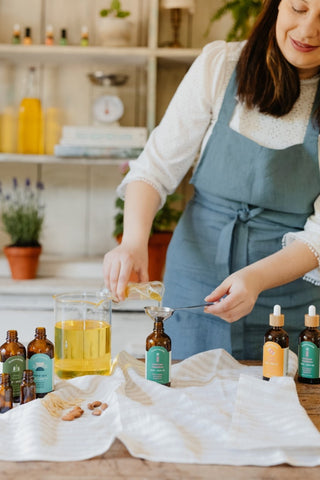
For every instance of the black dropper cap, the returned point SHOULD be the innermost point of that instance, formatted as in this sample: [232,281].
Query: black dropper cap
[28,32]
[63,33]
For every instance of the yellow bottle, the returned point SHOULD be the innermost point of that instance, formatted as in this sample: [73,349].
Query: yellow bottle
[9,130]
[30,128]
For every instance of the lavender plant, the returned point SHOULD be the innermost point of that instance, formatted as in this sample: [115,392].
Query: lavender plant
[22,213]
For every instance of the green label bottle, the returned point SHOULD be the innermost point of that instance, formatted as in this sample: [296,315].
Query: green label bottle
[308,360]
[40,355]
[42,367]
[158,361]
[13,361]
[158,355]
[308,349]
[15,366]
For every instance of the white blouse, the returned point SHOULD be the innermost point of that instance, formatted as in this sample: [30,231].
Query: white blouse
[174,145]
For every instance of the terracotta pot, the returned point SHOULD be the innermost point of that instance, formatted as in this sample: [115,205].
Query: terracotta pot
[23,261]
[157,250]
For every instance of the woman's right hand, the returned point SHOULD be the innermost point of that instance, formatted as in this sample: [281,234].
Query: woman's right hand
[118,265]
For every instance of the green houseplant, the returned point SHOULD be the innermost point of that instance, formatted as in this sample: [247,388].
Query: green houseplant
[161,230]
[22,215]
[114,28]
[114,10]
[244,13]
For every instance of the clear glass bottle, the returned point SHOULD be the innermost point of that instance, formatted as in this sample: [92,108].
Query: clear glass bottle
[309,348]
[27,387]
[276,347]
[145,290]
[40,359]
[6,394]
[84,41]
[16,34]
[13,361]
[158,354]
[30,127]
[49,40]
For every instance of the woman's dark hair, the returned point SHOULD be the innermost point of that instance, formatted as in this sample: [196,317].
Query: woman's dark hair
[265,78]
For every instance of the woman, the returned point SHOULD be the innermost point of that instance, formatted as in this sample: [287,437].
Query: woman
[253,109]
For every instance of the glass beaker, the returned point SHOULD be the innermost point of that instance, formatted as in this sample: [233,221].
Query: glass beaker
[82,334]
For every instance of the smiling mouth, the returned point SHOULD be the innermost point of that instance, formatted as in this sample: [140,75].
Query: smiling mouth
[302,47]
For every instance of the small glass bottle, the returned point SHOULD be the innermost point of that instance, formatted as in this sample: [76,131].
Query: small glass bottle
[27,387]
[40,355]
[309,348]
[49,36]
[276,347]
[16,34]
[84,42]
[30,117]
[6,395]
[158,354]
[13,361]
[27,37]
[63,38]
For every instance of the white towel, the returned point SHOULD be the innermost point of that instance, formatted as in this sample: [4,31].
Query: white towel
[216,411]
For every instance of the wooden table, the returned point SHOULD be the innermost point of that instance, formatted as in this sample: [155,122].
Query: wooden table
[117,463]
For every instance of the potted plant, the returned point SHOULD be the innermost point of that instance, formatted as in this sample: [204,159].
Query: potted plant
[22,214]
[161,231]
[244,13]
[113,27]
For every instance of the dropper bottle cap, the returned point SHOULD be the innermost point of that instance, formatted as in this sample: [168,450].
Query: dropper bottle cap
[311,319]
[276,319]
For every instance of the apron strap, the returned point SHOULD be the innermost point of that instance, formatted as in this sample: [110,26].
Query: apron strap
[242,216]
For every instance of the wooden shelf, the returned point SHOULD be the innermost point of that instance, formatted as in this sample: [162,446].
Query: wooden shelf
[51,159]
[58,54]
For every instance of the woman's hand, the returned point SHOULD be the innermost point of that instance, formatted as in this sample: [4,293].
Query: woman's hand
[118,265]
[235,296]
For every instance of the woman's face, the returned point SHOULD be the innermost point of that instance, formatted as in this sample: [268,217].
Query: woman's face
[298,34]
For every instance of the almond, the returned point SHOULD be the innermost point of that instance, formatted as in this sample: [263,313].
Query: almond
[68,417]
[96,412]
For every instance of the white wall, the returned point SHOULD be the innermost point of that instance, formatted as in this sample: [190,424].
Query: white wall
[80,199]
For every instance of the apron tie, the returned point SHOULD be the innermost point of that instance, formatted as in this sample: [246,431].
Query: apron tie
[241,217]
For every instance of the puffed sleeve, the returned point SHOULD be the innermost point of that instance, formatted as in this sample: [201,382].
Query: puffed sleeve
[173,145]
[310,235]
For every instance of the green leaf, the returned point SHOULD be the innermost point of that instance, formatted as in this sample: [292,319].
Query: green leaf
[243,12]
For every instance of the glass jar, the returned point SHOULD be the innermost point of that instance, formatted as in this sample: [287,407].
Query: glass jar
[82,334]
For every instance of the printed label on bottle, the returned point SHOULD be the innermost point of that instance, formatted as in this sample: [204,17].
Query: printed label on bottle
[275,360]
[158,365]
[42,367]
[15,366]
[308,354]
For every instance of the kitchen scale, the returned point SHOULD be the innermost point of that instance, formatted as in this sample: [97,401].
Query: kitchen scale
[107,109]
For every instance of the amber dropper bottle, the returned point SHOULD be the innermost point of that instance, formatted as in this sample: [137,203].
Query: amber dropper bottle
[158,354]
[276,347]
[27,40]
[6,395]
[40,355]
[13,361]
[308,349]
[27,387]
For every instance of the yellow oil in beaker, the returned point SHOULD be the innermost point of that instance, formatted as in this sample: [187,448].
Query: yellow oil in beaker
[82,348]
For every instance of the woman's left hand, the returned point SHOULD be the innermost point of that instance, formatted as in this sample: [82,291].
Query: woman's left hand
[235,296]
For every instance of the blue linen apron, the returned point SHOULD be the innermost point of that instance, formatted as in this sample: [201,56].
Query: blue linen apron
[246,197]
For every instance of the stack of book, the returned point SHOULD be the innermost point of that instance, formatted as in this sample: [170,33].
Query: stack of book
[101,142]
